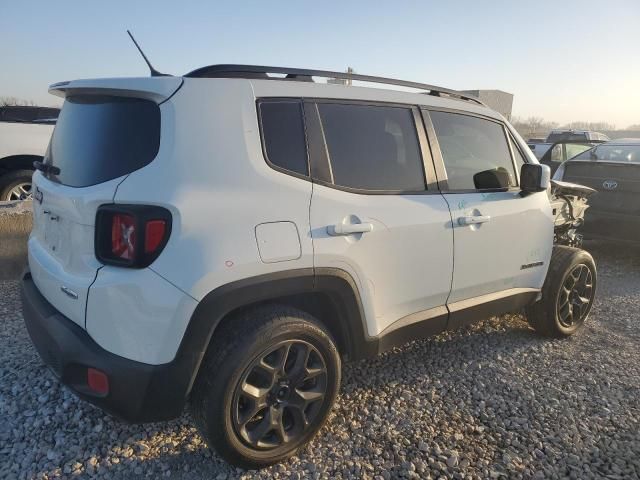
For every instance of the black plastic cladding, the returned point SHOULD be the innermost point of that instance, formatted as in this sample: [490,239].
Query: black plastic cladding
[302,74]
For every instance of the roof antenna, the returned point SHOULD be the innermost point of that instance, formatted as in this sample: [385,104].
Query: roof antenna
[154,72]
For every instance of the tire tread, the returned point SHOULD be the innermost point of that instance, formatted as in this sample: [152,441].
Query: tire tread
[237,334]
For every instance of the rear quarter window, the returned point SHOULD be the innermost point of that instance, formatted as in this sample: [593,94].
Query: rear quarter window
[98,138]
[283,136]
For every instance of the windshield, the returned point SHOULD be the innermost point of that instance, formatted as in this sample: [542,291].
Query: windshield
[99,138]
[612,153]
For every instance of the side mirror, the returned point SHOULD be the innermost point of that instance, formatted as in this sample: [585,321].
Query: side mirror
[534,177]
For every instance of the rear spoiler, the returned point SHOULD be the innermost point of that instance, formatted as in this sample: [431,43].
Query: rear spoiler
[156,89]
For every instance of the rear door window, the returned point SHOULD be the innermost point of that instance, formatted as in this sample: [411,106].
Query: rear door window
[475,152]
[98,138]
[372,147]
[283,135]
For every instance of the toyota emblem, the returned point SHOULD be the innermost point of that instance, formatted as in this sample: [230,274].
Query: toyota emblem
[609,184]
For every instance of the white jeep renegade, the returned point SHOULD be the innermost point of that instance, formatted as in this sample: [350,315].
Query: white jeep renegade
[225,238]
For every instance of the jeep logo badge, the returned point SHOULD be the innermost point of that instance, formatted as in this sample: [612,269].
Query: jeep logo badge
[610,184]
[38,195]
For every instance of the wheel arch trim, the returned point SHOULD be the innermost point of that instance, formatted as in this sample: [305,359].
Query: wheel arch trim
[217,304]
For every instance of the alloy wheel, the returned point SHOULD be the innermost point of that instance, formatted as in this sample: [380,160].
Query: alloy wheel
[280,395]
[21,191]
[575,297]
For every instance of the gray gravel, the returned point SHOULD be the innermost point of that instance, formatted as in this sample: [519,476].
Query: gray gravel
[491,401]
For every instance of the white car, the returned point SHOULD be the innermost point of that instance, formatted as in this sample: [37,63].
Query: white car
[226,238]
[25,132]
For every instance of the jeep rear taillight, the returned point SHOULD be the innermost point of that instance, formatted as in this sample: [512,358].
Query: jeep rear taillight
[154,231]
[123,236]
[131,235]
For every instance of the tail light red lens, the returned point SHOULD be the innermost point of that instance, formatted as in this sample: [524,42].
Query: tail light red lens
[131,235]
[123,236]
[153,235]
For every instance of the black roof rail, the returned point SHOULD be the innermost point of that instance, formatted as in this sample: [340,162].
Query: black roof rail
[305,75]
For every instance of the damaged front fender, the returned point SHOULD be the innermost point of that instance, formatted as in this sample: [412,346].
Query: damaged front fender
[569,204]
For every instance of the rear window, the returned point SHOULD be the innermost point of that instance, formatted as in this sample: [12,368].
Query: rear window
[99,138]
[612,153]
[558,137]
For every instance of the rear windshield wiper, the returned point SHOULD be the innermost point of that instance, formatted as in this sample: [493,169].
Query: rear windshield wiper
[46,168]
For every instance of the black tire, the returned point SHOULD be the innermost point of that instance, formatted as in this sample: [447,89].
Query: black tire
[10,180]
[567,293]
[224,412]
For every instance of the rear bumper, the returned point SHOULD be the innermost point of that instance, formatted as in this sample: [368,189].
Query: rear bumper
[612,226]
[138,392]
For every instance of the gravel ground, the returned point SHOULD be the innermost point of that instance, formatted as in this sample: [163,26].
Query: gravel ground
[490,401]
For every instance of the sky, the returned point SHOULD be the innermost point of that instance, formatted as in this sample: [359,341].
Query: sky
[572,60]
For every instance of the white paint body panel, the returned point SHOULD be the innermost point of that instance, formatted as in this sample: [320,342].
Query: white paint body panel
[489,256]
[137,314]
[61,250]
[278,241]
[270,88]
[211,174]
[23,139]
[403,266]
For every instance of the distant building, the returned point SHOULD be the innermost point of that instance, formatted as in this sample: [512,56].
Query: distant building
[498,100]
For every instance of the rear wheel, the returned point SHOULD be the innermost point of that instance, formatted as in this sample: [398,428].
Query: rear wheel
[15,185]
[567,293]
[267,385]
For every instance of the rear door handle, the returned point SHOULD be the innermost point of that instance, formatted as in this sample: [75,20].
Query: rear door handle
[473,220]
[349,229]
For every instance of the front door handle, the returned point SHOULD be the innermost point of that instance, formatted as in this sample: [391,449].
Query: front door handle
[349,229]
[473,220]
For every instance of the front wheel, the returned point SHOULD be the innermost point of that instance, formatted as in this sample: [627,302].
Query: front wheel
[567,293]
[266,386]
